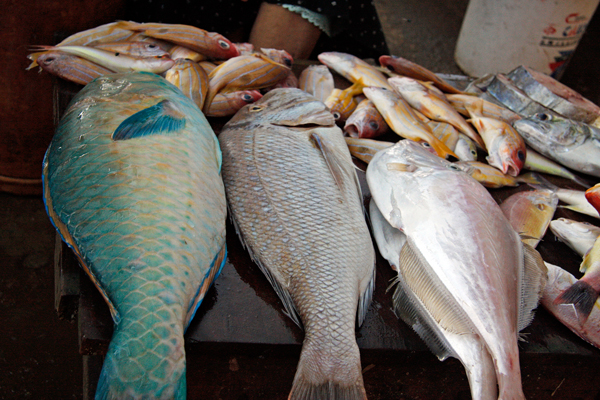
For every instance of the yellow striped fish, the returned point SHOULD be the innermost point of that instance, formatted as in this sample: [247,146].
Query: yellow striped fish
[227,104]
[342,103]
[433,105]
[353,69]
[70,67]
[402,120]
[251,72]
[317,80]
[211,44]
[190,78]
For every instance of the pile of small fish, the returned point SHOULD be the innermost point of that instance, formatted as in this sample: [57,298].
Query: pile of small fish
[469,276]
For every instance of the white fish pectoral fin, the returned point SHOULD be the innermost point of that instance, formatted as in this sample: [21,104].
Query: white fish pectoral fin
[389,239]
[535,276]
[410,309]
[365,298]
[284,294]
[435,296]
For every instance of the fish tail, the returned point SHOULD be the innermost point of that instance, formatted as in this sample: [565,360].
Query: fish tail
[583,297]
[530,178]
[327,377]
[144,361]
[442,150]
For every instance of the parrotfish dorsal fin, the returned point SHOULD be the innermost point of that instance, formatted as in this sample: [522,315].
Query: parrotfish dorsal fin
[159,119]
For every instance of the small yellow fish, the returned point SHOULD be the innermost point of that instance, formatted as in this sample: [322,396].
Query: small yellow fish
[492,177]
[227,104]
[365,149]
[402,120]
[342,103]
[185,53]
[70,67]
[251,72]
[353,69]
[365,121]
[190,78]
[317,80]
[211,44]
[433,105]
[506,148]
[530,212]
[489,109]
[408,68]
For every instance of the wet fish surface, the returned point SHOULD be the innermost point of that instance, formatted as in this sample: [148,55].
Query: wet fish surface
[132,183]
[295,201]
[467,284]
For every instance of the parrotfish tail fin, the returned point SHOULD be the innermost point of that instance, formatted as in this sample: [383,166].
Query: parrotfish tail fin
[342,382]
[583,297]
[146,357]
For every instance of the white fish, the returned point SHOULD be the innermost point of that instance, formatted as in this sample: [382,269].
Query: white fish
[558,281]
[579,236]
[467,282]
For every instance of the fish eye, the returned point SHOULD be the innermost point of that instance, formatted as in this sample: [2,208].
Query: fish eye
[117,54]
[543,117]
[287,62]
[453,167]
[256,108]
[336,115]
[247,98]
[521,155]
[152,46]
[426,145]
[474,152]
[374,125]
[223,44]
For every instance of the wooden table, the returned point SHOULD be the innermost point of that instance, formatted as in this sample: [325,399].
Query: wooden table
[240,345]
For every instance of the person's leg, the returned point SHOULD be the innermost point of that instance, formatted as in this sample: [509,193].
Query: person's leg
[276,27]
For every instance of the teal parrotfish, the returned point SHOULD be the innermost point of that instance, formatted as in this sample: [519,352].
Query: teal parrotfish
[132,183]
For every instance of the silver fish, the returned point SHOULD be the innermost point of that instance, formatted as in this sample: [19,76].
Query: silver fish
[558,281]
[547,91]
[467,284]
[503,90]
[296,203]
[579,236]
[572,144]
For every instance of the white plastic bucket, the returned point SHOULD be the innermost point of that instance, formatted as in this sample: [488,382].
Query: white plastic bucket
[499,35]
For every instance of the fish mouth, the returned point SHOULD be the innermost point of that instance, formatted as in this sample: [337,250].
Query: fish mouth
[351,130]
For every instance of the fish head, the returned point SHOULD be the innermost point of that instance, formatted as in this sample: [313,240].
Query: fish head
[545,130]
[49,59]
[223,46]
[465,149]
[290,107]
[512,158]
[406,84]
[279,56]
[413,157]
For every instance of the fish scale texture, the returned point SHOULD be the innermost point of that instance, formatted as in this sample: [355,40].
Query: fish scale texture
[305,232]
[147,217]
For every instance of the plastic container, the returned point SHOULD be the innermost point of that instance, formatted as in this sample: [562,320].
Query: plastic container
[499,35]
